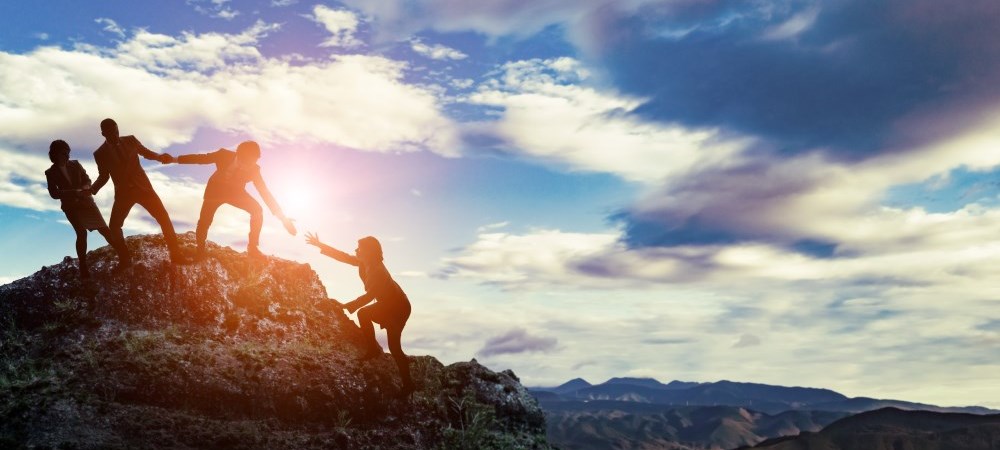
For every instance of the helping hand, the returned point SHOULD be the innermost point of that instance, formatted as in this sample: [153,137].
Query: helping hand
[313,239]
[289,226]
[351,307]
[166,158]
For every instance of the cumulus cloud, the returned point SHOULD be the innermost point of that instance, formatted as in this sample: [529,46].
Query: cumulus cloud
[436,51]
[340,23]
[517,340]
[549,114]
[219,81]
[22,181]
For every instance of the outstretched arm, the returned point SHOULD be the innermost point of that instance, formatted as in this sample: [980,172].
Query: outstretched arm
[272,204]
[200,158]
[164,158]
[313,239]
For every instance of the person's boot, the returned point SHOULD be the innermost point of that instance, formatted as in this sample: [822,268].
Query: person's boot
[177,257]
[374,351]
[84,270]
[407,388]
[124,258]
[254,253]
[200,254]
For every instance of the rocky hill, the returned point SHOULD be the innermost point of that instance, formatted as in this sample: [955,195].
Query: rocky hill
[225,353]
[892,429]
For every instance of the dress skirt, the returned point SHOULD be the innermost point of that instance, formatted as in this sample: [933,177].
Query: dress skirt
[83,214]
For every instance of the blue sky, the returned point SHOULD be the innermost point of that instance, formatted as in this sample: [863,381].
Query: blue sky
[786,192]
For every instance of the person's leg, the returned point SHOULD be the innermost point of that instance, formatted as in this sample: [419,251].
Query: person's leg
[365,316]
[208,210]
[247,203]
[402,361]
[154,206]
[81,251]
[117,243]
[119,211]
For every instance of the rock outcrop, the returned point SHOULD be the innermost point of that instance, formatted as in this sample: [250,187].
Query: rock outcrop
[225,353]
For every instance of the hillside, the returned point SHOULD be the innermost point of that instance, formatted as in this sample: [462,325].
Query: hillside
[892,429]
[643,426]
[225,353]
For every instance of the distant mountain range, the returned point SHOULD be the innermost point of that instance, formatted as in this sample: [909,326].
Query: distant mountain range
[643,413]
[759,397]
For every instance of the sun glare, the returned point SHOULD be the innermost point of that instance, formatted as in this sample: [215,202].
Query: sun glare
[297,199]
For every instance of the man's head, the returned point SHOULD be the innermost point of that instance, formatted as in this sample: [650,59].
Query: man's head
[59,152]
[369,249]
[109,129]
[248,151]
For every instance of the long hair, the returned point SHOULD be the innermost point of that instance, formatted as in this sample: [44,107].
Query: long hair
[372,246]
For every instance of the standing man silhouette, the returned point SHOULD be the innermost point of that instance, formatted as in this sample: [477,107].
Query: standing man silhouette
[118,159]
[391,308]
[228,185]
[68,181]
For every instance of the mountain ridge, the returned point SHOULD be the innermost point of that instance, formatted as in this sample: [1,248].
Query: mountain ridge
[763,397]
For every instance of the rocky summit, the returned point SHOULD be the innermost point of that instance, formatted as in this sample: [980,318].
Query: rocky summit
[229,352]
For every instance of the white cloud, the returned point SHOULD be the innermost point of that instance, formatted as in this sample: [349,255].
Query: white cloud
[22,181]
[793,26]
[111,26]
[548,114]
[217,81]
[849,319]
[436,51]
[340,23]
[218,9]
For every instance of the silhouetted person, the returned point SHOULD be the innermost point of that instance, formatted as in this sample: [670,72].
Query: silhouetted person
[391,308]
[233,170]
[68,181]
[118,158]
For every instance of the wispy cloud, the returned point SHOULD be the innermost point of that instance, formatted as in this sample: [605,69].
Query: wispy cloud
[436,51]
[111,26]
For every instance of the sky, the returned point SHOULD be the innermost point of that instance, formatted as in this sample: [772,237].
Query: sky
[801,193]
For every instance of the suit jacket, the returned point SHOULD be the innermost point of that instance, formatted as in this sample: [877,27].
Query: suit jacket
[379,285]
[123,167]
[230,179]
[67,189]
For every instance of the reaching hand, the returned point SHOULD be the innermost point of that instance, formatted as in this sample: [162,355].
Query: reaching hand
[289,226]
[350,307]
[313,239]
[166,158]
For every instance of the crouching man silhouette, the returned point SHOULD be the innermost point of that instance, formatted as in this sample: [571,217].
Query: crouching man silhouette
[391,308]
[228,185]
[68,181]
